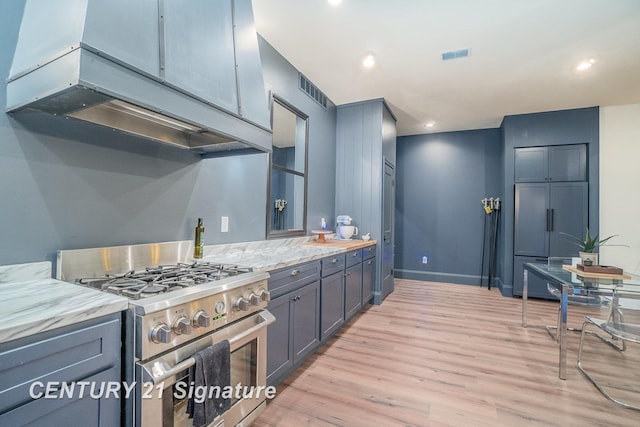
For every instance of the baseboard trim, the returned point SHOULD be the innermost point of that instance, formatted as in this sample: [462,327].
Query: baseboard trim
[461,279]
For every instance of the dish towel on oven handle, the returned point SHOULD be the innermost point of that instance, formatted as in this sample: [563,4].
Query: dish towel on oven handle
[212,369]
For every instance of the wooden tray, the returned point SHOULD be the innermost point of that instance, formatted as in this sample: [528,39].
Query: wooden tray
[605,269]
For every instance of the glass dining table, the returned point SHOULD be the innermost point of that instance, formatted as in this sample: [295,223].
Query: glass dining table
[560,277]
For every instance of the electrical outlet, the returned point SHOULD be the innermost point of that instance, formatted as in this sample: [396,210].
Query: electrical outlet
[425,260]
[224,224]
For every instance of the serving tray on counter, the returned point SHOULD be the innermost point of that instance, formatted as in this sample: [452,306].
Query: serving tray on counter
[604,269]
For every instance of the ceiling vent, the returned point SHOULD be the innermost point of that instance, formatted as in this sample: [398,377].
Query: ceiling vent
[310,89]
[455,54]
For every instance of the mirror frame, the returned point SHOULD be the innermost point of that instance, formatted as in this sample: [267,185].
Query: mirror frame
[275,234]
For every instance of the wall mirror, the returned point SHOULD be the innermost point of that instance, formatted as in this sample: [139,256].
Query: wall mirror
[287,209]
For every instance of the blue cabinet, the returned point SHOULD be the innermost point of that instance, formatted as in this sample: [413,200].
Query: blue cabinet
[551,163]
[366,157]
[368,279]
[537,287]
[352,290]
[544,213]
[296,305]
[332,295]
[86,352]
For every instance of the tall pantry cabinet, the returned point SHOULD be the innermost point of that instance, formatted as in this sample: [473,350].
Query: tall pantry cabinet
[551,202]
[365,180]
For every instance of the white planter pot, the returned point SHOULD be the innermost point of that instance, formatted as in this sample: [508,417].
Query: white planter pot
[589,256]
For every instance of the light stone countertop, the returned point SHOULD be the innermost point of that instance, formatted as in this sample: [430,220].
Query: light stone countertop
[32,302]
[269,259]
[272,255]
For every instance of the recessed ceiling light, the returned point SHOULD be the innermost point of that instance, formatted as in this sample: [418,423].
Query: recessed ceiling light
[585,65]
[429,125]
[335,2]
[369,60]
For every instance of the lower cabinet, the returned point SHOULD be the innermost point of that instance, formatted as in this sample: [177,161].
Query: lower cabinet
[311,302]
[296,331]
[368,280]
[352,290]
[88,352]
[536,286]
[331,304]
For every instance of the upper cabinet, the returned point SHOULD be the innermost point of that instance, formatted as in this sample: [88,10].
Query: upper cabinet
[551,163]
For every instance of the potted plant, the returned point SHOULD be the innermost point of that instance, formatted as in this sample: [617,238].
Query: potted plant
[588,246]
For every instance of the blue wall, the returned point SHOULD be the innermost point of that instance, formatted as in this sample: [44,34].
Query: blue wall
[66,185]
[440,180]
[281,77]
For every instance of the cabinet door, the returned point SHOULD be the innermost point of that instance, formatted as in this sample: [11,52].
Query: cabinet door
[568,162]
[331,304]
[531,164]
[569,214]
[44,412]
[279,346]
[368,280]
[352,290]
[532,214]
[537,286]
[305,324]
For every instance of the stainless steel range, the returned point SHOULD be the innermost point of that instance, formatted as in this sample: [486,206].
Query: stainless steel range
[179,307]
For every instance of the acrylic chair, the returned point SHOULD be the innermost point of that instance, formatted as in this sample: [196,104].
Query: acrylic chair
[623,324]
[589,299]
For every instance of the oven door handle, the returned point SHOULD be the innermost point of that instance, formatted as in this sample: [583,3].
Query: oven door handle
[266,318]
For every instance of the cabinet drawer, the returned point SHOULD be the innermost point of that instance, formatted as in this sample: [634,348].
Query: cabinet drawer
[87,411]
[332,264]
[66,354]
[354,257]
[368,252]
[291,278]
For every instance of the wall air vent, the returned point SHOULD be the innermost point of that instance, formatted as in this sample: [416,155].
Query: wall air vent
[310,89]
[455,54]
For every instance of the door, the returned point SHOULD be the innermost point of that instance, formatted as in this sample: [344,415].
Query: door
[305,324]
[568,163]
[532,215]
[531,164]
[352,290]
[368,280]
[332,304]
[279,350]
[569,215]
[388,206]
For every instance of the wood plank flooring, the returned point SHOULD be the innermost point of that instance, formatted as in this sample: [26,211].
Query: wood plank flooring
[438,354]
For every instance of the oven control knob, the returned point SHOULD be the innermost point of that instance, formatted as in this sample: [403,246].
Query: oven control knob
[182,326]
[254,299]
[241,304]
[161,334]
[220,307]
[265,295]
[201,319]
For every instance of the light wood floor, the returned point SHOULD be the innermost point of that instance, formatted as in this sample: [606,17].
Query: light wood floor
[436,354]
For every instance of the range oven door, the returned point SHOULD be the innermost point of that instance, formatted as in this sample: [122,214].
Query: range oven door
[162,383]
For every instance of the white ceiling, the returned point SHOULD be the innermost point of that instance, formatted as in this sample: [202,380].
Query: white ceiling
[523,55]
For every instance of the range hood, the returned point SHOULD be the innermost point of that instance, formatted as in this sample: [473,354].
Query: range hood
[148,68]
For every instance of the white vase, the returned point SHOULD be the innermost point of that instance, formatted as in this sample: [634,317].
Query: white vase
[593,256]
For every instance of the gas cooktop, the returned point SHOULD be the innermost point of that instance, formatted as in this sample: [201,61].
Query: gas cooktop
[160,279]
